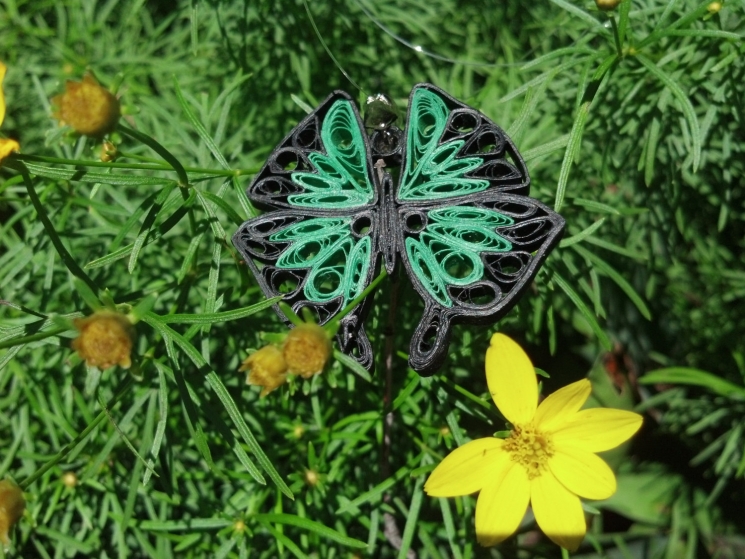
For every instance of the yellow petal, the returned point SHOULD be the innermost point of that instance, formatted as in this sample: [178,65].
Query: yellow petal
[2,95]
[467,469]
[583,473]
[558,511]
[502,504]
[560,407]
[511,379]
[7,147]
[598,429]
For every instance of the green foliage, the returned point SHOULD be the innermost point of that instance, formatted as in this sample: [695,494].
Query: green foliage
[630,122]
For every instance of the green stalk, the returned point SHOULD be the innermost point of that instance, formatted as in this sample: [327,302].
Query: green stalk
[332,327]
[160,150]
[32,338]
[154,166]
[67,258]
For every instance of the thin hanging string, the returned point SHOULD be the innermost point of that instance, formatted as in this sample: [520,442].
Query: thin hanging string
[420,49]
[328,50]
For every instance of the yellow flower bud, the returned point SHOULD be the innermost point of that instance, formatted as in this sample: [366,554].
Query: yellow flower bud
[108,152]
[266,368]
[69,479]
[714,7]
[87,107]
[607,5]
[312,478]
[306,350]
[12,505]
[105,340]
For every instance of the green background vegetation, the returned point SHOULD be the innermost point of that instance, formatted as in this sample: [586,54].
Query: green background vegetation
[633,131]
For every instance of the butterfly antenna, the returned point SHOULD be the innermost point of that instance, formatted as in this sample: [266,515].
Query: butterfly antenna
[328,50]
[425,52]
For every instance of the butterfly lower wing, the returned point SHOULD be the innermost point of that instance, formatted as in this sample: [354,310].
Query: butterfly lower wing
[316,260]
[470,238]
[315,244]
[470,263]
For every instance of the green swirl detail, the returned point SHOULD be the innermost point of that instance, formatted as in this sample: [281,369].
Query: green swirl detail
[339,263]
[448,250]
[341,179]
[433,172]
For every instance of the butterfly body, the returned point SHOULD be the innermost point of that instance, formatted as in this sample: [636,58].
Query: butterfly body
[458,218]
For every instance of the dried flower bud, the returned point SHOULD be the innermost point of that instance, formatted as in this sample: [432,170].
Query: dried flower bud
[87,107]
[105,340]
[607,5]
[12,505]
[306,349]
[108,152]
[267,368]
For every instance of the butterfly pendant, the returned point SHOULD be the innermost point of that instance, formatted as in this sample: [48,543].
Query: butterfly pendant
[459,219]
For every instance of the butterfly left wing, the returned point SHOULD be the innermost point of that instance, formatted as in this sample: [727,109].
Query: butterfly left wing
[469,236]
[316,243]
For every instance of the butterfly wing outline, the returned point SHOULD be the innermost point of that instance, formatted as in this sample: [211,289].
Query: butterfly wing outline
[469,236]
[317,245]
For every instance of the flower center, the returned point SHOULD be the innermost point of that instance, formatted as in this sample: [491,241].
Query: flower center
[530,447]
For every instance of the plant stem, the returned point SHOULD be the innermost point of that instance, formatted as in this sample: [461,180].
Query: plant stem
[616,37]
[67,258]
[333,325]
[32,338]
[77,440]
[154,166]
[160,150]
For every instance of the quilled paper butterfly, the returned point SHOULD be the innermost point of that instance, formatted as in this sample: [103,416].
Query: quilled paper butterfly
[459,218]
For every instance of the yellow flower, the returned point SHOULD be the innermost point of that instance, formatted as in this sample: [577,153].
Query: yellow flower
[548,460]
[12,505]
[105,340]
[7,146]
[87,107]
[306,349]
[267,368]
[714,7]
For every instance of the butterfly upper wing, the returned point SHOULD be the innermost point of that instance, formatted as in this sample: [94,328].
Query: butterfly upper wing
[469,236]
[317,243]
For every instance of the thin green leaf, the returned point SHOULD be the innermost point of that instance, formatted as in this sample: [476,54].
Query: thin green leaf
[218,317]
[685,103]
[584,311]
[582,235]
[603,267]
[311,526]
[352,364]
[694,377]
[222,393]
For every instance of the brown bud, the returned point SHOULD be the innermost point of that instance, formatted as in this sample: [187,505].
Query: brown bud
[105,339]
[12,505]
[87,107]
[607,5]
[306,350]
